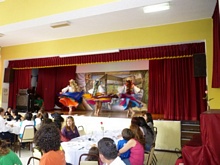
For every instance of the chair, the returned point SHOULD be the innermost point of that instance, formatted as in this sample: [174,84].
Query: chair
[35,160]
[36,152]
[155,138]
[27,136]
[81,130]
[149,156]
[82,160]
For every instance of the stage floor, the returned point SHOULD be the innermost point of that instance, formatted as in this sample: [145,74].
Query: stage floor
[105,113]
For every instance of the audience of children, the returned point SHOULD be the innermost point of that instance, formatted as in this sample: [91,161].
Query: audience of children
[70,130]
[5,129]
[7,156]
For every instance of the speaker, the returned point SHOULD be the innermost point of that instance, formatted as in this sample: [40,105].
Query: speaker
[199,65]
[22,103]
[9,75]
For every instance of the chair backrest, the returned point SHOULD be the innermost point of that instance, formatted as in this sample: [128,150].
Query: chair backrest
[150,155]
[155,134]
[36,152]
[28,133]
[35,160]
[82,160]
[81,130]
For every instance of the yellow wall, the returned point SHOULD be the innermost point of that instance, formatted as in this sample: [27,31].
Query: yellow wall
[168,34]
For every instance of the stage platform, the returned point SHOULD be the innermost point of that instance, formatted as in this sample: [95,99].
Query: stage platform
[104,113]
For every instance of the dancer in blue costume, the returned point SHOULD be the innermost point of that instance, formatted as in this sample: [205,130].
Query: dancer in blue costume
[128,92]
[70,95]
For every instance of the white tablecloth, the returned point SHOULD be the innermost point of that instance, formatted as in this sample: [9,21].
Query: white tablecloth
[77,146]
[16,126]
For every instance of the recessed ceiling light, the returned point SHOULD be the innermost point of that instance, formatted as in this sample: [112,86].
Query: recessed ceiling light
[60,24]
[157,7]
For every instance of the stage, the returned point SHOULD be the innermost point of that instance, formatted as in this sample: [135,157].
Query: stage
[104,113]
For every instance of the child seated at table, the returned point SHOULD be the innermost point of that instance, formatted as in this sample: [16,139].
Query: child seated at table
[94,151]
[70,130]
[15,116]
[127,134]
[27,121]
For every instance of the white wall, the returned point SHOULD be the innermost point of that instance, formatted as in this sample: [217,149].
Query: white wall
[114,66]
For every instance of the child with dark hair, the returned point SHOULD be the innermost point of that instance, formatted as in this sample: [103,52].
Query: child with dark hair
[136,145]
[149,119]
[8,114]
[27,121]
[58,121]
[147,132]
[15,116]
[127,134]
[47,138]
[7,156]
[94,151]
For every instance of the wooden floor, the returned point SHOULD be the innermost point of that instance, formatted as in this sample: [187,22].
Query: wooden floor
[105,113]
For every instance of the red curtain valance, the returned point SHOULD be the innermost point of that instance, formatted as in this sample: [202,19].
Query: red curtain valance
[161,52]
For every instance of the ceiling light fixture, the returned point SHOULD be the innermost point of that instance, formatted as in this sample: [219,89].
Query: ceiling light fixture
[157,7]
[89,53]
[60,24]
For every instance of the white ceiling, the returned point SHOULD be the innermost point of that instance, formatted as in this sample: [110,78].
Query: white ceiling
[116,16]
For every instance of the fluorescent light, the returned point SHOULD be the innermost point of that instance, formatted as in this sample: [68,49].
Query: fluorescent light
[60,24]
[89,53]
[157,7]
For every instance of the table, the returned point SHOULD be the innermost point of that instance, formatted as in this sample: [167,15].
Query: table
[77,146]
[16,126]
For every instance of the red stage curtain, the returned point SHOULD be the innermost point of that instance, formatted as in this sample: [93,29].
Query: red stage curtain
[161,52]
[174,91]
[22,80]
[51,81]
[216,48]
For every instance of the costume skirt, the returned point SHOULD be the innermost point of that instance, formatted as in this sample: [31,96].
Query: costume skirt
[71,98]
[129,101]
[93,99]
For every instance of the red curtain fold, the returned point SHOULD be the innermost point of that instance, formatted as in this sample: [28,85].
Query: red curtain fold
[216,48]
[123,55]
[22,80]
[51,81]
[174,91]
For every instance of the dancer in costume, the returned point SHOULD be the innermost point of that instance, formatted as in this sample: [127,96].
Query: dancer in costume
[127,92]
[70,95]
[97,96]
